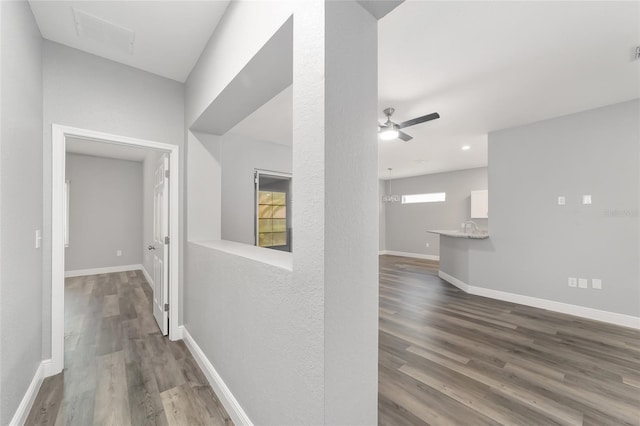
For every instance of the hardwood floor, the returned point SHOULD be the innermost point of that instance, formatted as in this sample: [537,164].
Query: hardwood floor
[447,357]
[119,369]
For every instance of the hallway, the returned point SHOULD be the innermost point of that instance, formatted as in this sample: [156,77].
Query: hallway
[119,369]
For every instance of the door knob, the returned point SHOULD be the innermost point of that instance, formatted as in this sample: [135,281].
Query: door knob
[151,248]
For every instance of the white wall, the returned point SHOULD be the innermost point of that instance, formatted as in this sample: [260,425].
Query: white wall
[314,322]
[85,91]
[105,212]
[535,244]
[240,156]
[20,204]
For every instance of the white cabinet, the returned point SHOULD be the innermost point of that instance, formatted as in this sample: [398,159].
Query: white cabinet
[480,204]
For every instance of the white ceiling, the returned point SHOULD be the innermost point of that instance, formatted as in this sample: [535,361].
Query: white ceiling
[169,35]
[487,66]
[483,66]
[107,150]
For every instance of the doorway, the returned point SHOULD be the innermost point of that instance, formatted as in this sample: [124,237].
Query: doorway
[60,134]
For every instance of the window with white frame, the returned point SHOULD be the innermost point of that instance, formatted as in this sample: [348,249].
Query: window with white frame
[433,197]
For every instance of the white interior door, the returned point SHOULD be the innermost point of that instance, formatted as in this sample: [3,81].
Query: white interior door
[160,247]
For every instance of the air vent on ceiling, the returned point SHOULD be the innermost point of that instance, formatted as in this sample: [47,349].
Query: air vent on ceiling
[108,33]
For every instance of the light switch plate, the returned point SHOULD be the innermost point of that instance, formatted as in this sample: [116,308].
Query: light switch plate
[573,282]
[582,283]
[586,199]
[562,200]
[596,283]
[38,238]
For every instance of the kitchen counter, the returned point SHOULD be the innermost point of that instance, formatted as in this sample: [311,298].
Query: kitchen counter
[480,235]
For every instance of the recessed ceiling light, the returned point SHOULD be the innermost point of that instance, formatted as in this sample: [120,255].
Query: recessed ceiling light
[466,147]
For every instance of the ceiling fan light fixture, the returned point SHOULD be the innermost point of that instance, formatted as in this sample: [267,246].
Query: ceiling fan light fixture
[389,133]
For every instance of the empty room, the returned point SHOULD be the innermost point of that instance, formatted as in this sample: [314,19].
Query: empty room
[319,212]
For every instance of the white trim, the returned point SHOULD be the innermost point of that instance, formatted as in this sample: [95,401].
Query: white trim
[21,414]
[414,255]
[550,305]
[58,136]
[453,280]
[48,368]
[106,270]
[149,280]
[221,390]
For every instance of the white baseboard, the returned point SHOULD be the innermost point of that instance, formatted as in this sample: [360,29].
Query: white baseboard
[414,255]
[107,270]
[21,414]
[147,276]
[48,369]
[550,305]
[223,393]
[453,280]
[180,333]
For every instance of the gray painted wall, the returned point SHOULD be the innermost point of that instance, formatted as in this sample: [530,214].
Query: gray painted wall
[406,224]
[535,244]
[382,226]
[85,91]
[105,212]
[240,156]
[20,205]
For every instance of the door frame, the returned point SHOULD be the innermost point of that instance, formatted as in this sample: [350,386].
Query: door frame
[59,133]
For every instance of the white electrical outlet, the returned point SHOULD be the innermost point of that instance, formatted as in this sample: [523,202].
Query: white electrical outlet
[38,238]
[573,282]
[596,283]
[562,200]
[582,283]
[118,252]
[586,199]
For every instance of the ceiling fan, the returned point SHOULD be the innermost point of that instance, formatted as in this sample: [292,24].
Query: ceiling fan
[390,130]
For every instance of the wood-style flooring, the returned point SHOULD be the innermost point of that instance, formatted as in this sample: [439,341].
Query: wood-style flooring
[119,369]
[447,357]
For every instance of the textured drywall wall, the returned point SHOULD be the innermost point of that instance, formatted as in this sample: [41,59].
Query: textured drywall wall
[406,224]
[85,91]
[21,204]
[105,212]
[240,156]
[351,228]
[271,326]
[250,320]
[535,244]
[328,322]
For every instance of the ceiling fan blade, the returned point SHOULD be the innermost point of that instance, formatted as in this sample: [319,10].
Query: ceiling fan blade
[419,120]
[403,136]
